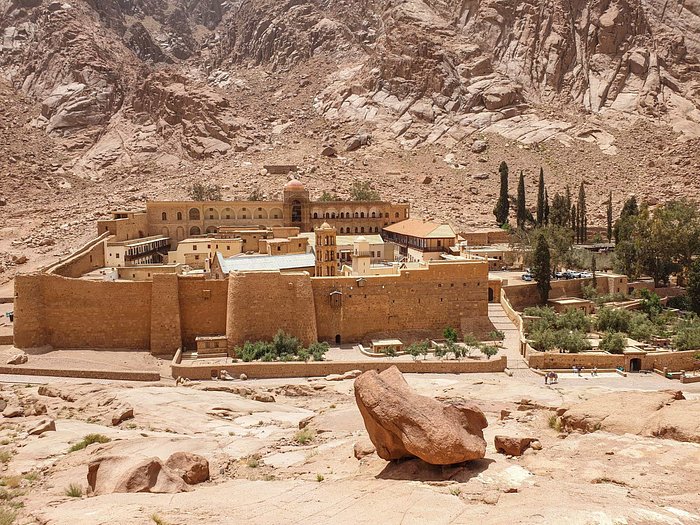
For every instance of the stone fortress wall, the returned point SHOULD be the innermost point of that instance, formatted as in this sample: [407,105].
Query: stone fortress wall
[170,311]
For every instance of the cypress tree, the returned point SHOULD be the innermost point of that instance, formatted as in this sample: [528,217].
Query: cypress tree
[541,267]
[594,281]
[573,219]
[546,207]
[582,224]
[522,209]
[501,209]
[541,200]
[610,217]
[568,198]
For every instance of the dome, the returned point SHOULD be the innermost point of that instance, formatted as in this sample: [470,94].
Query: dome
[325,226]
[294,184]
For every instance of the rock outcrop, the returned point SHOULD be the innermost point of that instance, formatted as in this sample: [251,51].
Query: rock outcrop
[663,414]
[111,474]
[404,424]
[192,468]
[511,445]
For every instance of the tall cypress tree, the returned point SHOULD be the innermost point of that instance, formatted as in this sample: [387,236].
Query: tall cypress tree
[610,217]
[541,199]
[501,209]
[574,217]
[582,222]
[521,216]
[546,207]
[542,267]
[568,198]
[594,281]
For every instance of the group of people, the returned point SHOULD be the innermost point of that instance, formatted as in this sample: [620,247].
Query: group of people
[552,377]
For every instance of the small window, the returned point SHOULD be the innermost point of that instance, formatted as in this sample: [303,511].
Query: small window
[196,257]
[117,256]
[396,215]
[179,216]
[194,247]
[164,216]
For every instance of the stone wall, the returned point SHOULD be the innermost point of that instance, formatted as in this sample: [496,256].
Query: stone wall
[112,375]
[674,361]
[523,295]
[413,305]
[261,303]
[86,259]
[202,305]
[73,313]
[323,368]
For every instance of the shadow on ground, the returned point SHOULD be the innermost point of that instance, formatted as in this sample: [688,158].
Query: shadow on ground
[418,470]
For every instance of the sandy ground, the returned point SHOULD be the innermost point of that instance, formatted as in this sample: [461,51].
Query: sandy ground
[598,478]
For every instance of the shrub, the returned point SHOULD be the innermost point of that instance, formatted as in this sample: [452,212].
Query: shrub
[651,303]
[284,343]
[7,516]
[89,440]
[489,351]
[252,462]
[613,342]
[543,340]
[319,478]
[200,191]
[318,350]
[304,436]
[641,328]
[680,302]
[589,292]
[155,518]
[363,191]
[74,491]
[497,335]
[390,351]
[688,336]
[5,456]
[613,320]
[572,342]
[450,334]
[574,319]
[544,312]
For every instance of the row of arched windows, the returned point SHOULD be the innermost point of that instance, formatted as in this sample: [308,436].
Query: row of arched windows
[228,213]
[349,215]
[361,229]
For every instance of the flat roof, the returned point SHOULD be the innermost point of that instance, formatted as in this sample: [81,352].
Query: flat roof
[422,229]
[141,240]
[266,262]
[346,240]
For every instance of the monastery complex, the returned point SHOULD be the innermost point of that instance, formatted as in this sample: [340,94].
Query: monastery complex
[341,272]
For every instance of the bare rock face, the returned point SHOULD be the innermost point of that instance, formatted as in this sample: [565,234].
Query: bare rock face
[192,468]
[404,424]
[12,410]
[18,359]
[663,414]
[363,448]
[512,446]
[44,425]
[121,414]
[111,474]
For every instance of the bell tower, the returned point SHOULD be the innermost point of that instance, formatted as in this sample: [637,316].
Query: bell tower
[326,249]
[297,206]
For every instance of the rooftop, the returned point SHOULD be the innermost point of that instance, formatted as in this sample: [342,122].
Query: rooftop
[422,229]
[141,240]
[242,263]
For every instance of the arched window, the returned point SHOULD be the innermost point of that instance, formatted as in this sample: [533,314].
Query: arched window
[374,215]
[194,214]
[164,216]
[356,215]
[179,216]
[396,215]
[355,229]
[386,215]
[333,215]
[315,215]
[362,230]
[342,215]
[362,214]
[327,215]
[194,230]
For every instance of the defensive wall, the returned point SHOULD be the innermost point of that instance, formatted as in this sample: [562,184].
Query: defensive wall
[259,370]
[85,259]
[522,295]
[172,310]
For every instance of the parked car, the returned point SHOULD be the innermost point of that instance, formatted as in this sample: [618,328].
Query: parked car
[586,275]
[527,277]
[559,275]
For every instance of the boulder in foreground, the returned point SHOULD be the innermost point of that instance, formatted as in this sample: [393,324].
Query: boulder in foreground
[403,424]
[111,474]
[192,468]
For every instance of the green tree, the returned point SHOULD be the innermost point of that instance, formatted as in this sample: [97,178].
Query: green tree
[521,215]
[613,342]
[541,200]
[574,221]
[582,234]
[203,191]
[693,286]
[610,217]
[502,206]
[489,351]
[450,334]
[541,267]
[594,280]
[329,197]
[546,207]
[363,191]
[559,214]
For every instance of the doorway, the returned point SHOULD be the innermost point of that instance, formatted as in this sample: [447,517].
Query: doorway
[635,364]
[337,339]
[490,295]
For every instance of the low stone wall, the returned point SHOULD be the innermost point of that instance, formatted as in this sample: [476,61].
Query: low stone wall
[672,361]
[114,375]
[259,370]
[693,379]
[7,339]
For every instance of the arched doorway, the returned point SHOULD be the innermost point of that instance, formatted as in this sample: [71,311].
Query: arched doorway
[490,295]
[635,364]
[337,339]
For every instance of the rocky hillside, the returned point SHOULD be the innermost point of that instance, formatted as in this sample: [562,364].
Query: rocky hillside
[111,102]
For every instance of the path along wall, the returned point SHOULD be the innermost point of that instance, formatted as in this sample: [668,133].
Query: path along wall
[323,368]
[415,304]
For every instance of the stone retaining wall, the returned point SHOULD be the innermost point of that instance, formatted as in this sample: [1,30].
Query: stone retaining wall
[259,370]
[114,375]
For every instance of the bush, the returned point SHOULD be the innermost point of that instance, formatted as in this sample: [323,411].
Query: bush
[688,335]
[641,328]
[613,342]
[614,320]
[651,303]
[680,302]
[574,319]
[7,516]
[74,491]
[589,292]
[489,351]
[363,191]
[572,342]
[318,350]
[200,191]
[543,340]
[89,440]
[304,436]
[418,348]
[284,343]
[497,335]
[450,334]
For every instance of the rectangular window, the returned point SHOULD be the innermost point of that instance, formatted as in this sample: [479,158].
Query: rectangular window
[194,247]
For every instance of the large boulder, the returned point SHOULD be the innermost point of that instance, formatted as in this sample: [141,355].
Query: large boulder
[512,446]
[192,468]
[43,425]
[122,413]
[109,474]
[404,424]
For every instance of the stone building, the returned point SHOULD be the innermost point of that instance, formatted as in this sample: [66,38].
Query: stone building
[326,251]
[183,219]
[419,240]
